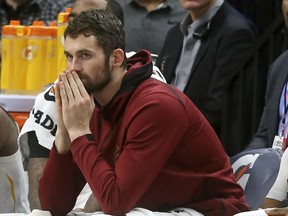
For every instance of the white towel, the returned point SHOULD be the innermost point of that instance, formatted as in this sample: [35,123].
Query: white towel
[42,119]
[259,212]
[146,212]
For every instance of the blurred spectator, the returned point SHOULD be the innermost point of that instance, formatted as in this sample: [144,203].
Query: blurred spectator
[274,117]
[267,16]
[148,21]
[273,128]
[201,55]
[29,10]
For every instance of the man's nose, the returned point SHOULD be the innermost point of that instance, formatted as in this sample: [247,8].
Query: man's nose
[75,65]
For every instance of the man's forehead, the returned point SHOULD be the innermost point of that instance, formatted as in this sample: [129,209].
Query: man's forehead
[81,43]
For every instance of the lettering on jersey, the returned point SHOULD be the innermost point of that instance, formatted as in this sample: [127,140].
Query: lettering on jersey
[45,121]
[242,167]
[50,95]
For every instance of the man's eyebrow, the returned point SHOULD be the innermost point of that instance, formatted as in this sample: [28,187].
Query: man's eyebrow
[79,51]
[66,53]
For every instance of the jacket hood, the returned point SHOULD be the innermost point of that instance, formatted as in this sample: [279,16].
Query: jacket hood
[139,59]
[139,68]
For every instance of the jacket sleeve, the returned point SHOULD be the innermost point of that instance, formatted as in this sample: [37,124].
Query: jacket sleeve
[60,184]
[261,138]
[232,47]
[118,189]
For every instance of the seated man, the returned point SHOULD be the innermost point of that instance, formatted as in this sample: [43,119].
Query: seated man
[136,141]
[13,182]
[39,130]
[201,57]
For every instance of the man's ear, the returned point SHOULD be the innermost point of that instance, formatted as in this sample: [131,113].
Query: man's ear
[117,58]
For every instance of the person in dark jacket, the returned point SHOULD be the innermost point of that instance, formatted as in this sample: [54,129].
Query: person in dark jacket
[202,56]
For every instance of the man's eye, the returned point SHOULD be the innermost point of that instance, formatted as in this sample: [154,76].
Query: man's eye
[69,57]
[85,55]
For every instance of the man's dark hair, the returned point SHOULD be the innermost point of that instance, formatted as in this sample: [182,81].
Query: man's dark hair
[103,25]
[115,8]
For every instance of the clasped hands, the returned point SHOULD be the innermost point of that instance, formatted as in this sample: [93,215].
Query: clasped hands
[74,108]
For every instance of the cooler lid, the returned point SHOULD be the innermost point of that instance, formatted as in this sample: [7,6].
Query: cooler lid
[17,103]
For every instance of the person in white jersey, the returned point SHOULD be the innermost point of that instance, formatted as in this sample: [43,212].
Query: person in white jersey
[13,182]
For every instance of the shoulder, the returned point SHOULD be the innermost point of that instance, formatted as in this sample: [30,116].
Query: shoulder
[165,105]
[282,58]
[279,67]
[8,132]
[5,118]
[58,6]
[228,25]
[229,17]
[162,95]
[161,102]
[280,62]
[277,74]
[175,32]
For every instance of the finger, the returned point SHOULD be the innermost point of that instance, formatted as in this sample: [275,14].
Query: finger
[74,85]
[57,94]
[62,92]
[58,103]
[57,91]
[60,75]
[80,85]
[66,91]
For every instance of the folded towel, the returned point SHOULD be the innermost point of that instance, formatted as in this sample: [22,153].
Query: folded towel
[146,212]
[259,212]
[37,212]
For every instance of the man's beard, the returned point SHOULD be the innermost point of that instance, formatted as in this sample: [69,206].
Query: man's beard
[99,86]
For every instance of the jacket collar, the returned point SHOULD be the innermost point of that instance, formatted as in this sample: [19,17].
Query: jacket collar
[139,69]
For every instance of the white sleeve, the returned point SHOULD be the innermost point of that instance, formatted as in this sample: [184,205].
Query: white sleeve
[279,189]
[13,185]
